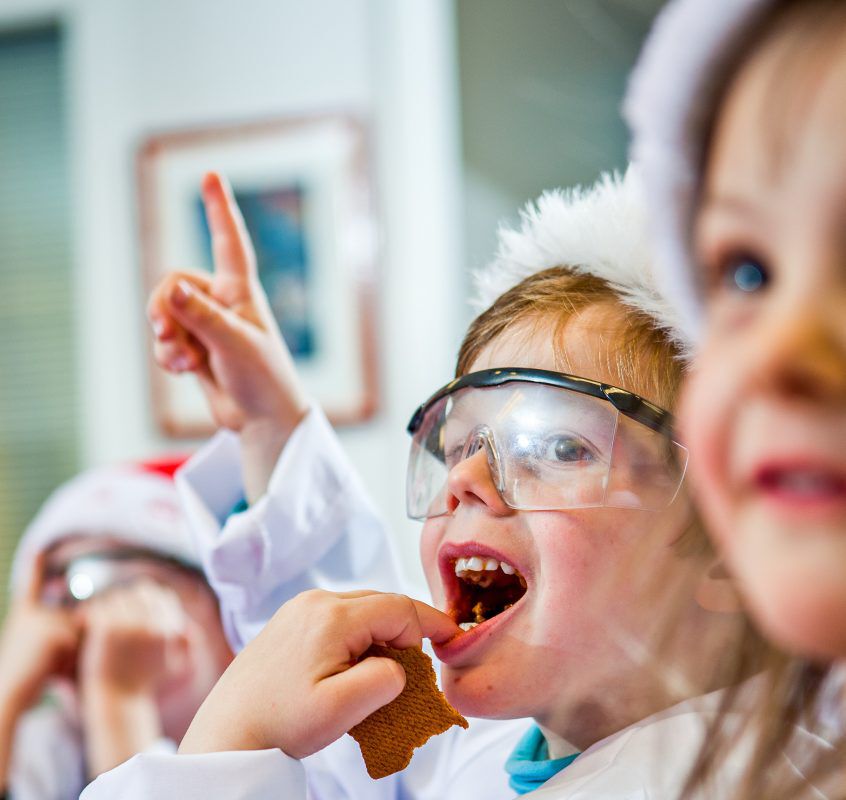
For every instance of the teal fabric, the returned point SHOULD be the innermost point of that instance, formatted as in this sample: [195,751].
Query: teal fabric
[529,764]
[241,505]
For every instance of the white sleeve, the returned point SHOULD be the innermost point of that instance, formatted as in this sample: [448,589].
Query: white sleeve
[315,527]
[243,775]
[453,766]
[336,773]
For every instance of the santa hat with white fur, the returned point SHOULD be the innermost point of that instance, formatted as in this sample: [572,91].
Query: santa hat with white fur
[599,231]
[670,89]
[136,503]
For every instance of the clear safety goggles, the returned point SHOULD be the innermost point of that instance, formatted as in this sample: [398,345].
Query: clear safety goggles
[552,442]
[88,575]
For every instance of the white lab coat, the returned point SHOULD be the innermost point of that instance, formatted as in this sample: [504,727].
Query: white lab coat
[315,527]
[646,761]
[48,757]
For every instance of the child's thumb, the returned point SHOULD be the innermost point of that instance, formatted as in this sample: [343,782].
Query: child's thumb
[201,315]
[345,699]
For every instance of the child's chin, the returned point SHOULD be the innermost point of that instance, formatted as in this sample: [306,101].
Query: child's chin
[476,694]
[808,613]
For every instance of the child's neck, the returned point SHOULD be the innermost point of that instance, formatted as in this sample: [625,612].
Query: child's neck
[557,746]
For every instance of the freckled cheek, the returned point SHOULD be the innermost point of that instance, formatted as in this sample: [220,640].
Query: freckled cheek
[586,574]
[567,563]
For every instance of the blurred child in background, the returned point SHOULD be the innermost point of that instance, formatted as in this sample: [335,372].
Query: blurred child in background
[113,638]
[745,159]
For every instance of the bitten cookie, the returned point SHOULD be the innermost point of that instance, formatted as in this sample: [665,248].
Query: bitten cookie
[388,737]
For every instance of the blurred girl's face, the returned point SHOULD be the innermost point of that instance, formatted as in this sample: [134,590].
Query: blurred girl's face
[764,414]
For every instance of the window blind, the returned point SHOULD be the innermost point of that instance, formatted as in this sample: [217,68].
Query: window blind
[38,406]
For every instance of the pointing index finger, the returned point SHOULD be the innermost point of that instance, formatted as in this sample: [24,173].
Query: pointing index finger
[232,250]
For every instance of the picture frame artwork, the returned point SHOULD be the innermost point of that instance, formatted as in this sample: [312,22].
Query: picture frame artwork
[303,188]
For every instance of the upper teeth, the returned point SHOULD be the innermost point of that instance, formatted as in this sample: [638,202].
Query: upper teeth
[806,481]
[477,564]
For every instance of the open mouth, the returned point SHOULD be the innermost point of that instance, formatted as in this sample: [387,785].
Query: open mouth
[801,482]
[485,587]
[807,486]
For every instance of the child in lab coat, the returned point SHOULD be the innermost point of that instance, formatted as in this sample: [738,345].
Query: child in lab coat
[113,638]
[743,154]
[567,648]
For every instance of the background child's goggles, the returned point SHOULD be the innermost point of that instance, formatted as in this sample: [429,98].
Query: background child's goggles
[552,442]
[86,576]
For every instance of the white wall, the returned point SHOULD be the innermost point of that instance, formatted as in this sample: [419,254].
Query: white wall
[139,66]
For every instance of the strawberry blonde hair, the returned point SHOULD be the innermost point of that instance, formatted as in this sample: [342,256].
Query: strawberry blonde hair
[644,357]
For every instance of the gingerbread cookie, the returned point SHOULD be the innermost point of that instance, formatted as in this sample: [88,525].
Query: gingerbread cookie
[388,737]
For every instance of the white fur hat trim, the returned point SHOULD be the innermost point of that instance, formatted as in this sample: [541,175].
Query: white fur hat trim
[664,103]
[599,231]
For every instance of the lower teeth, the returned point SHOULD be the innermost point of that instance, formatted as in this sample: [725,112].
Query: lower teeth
[466,626]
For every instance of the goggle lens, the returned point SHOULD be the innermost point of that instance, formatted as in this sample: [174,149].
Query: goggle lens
[548,448]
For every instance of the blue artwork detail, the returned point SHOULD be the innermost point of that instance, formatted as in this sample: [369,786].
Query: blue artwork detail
[274,219]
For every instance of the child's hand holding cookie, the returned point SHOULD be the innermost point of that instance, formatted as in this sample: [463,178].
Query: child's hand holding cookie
[299,685]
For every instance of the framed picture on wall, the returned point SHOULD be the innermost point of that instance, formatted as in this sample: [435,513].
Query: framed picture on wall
[303,187]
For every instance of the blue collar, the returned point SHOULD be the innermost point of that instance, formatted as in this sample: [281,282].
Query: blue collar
[529,764]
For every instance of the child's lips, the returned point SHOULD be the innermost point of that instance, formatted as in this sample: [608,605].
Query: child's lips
[803,485]
[458,648]
[465,568]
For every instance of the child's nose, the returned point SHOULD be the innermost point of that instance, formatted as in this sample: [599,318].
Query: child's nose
[470,481]
[804,354]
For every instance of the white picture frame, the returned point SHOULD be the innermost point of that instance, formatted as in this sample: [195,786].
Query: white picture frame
[303,186]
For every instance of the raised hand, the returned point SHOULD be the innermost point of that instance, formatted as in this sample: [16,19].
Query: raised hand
[221,328]
[37,641]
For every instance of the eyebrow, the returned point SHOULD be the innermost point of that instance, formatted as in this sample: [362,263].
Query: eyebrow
[731,204]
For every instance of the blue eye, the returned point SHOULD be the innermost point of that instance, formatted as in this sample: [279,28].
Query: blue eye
[568,450]
[746,274]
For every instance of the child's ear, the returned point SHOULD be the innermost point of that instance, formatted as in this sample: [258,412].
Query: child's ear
[717,590]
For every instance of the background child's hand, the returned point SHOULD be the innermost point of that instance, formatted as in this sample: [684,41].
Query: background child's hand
[134,642]
[221,328]
[134,639]
[298,685]
[37,642]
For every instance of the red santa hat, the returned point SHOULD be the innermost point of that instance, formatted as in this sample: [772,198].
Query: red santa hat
[136,503]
